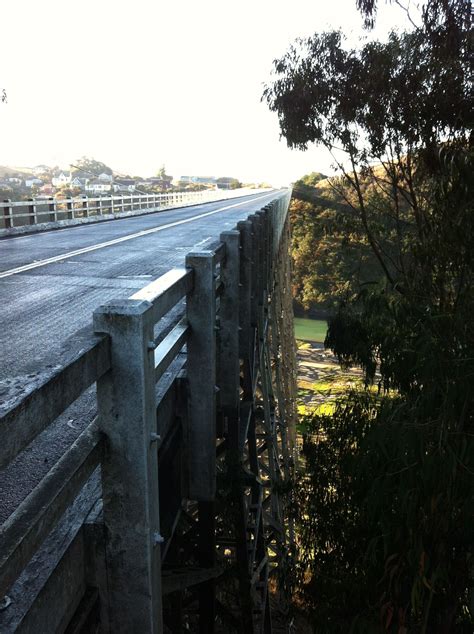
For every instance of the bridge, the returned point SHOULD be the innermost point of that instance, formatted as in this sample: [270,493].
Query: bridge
[144,455]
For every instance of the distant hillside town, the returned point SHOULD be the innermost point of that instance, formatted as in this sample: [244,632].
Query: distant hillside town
[88,177]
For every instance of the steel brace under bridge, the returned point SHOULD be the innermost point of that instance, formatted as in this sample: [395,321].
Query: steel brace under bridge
[195,378]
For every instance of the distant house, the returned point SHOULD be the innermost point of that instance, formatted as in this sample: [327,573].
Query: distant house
[202,180]
[47,190]
[79,182]
[124,185]
[29,182]
[97,186]
[60,179]
[107,178]
[162,183]
[41,169]
[15,180]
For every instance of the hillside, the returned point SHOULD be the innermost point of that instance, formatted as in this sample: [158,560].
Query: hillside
[6,171]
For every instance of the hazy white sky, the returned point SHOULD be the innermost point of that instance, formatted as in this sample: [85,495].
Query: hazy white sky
[139,83]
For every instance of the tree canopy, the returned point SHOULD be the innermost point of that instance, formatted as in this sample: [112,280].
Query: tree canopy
[444,21]
[388,490]
[90,167]
[228,182]
[161,173]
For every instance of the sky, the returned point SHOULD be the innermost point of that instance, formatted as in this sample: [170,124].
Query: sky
[138,84]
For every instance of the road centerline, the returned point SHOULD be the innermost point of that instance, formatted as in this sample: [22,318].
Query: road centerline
[108,243]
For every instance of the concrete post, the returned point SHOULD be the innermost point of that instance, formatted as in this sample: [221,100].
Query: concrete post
[245,228]
[53,216]
[69,208]
[255,271]
[200,435]
[85,206]
[229,379]
[127,414]
[264,214]
[32,211]
[8,214]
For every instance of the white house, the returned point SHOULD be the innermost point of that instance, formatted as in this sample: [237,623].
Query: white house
[62,178]
[29,182]
[124,185]
[79,182]
[107,178]
[98,187]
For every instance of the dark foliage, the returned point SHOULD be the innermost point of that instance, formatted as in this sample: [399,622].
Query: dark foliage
[388,487]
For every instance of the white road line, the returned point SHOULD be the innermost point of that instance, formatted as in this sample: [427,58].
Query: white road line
[102,245]
[199,244]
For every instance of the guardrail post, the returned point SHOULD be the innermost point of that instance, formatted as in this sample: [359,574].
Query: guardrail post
[53,216]
[201,432]
[85,206]
[229,384]
[229,380]
[8,214]
[245,228]
[255,271]
[127,415]
[70,207]
[32,211]
[200,428]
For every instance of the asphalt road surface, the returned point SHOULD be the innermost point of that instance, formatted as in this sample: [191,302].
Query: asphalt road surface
[50,284]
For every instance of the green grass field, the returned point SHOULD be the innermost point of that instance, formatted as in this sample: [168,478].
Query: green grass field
[310,329]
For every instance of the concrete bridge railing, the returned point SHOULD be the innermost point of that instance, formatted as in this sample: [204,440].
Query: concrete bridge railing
[192,437]
[38,214]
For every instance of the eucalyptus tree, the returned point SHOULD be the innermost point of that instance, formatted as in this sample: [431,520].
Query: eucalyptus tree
[388,494]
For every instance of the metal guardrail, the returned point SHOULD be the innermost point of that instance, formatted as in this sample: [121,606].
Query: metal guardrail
[46,210]
[222,288]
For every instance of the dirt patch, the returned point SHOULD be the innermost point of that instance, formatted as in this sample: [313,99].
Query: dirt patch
[321,379]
